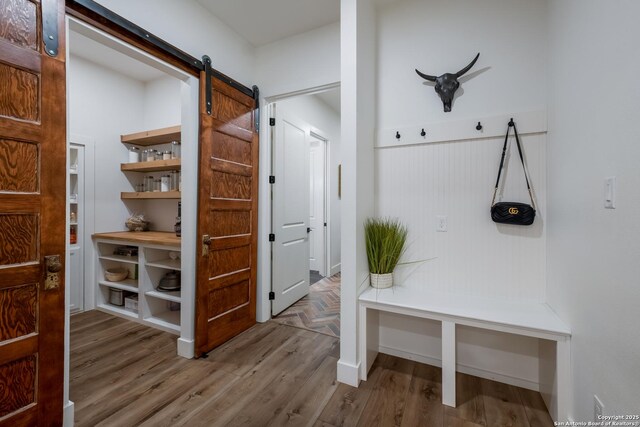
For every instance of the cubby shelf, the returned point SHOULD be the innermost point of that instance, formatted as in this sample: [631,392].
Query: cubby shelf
[154,166]
[168,296]
[118,310]
[153,137]
[125,285]
[151,195]
[168,264]
[120,258]
[166,319]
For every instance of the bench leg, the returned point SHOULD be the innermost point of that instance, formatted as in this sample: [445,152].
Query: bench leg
[563,379]
[449,363]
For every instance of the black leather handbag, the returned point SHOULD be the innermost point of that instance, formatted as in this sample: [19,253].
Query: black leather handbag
[512,212]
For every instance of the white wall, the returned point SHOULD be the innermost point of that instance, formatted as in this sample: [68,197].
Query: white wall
[456,179]
[192,28]
[326,121]
[593,253]
[299,62]
[440,36]
[103,105]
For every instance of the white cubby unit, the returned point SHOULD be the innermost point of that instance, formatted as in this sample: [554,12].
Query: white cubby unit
[158,253]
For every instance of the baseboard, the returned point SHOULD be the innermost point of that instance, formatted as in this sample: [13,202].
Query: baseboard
[186,348]
[348,373]
[67,414]
[465,369]
[335,269]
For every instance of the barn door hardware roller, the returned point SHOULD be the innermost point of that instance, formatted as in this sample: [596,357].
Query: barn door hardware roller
[206,61]
[50,27]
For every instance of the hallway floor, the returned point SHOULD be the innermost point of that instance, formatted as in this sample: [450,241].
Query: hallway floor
[126,374]
[319,311]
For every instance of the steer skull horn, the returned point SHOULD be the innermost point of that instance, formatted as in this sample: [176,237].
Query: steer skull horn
[447,84]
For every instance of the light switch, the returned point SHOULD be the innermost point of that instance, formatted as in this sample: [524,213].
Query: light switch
[610,192]
[441,223]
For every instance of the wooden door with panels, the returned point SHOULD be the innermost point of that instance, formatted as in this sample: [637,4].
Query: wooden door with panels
[227,212]
[32,211]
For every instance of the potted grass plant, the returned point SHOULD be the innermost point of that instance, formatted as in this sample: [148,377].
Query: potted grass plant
[385,239]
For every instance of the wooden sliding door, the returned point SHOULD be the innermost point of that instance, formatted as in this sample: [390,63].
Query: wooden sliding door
[32,212]
[227,214]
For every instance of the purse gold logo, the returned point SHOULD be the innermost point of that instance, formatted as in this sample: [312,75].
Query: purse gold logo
[513,211]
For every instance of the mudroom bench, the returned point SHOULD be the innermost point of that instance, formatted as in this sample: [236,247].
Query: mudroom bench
[530,319]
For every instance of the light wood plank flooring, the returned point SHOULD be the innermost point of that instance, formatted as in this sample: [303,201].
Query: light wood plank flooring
[125,374]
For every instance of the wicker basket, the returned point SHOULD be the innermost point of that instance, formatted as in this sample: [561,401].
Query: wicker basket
[115,274]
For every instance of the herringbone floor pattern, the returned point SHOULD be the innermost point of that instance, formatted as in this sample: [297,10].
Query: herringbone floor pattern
[319,311]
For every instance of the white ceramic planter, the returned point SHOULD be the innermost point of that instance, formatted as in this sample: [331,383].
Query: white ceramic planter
[382,281]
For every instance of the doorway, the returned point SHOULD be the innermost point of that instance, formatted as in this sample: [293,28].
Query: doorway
[305,210]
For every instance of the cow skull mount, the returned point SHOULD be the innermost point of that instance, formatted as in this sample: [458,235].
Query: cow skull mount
[447,84]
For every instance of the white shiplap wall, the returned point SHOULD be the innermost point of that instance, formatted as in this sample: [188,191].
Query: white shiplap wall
[475,256]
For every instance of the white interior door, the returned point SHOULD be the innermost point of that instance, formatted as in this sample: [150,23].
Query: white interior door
[290,199]
[316,206]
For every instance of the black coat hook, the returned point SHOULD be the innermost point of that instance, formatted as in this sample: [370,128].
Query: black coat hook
[397,135]
[479,127]
[423,133]
[511,123]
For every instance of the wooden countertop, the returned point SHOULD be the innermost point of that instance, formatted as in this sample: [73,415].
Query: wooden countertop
[144,237]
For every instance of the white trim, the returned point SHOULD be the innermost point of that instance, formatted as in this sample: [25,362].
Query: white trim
[335,269]
[186,348]
[529,122]
[68,414]
[326,253]
[465,369]
[309,91]
[348,373]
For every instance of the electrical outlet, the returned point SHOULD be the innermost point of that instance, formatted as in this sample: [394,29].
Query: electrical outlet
[441,223]
[598,408]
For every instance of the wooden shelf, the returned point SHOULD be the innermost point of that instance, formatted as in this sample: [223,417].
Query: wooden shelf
[168,296]
[153,137]
[151,195]
[162,238]
[155,166]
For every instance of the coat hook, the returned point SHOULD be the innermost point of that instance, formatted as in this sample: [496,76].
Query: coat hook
[479,127]
[423,133]
[397,135]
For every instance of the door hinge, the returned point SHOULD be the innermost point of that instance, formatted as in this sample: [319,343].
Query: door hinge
[272,179]
[272,121]
[325,224]
[256,97]
[50,33]
[272,296]
[272,237]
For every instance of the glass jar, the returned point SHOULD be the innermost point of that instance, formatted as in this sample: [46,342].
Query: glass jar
[134,154]
[151,155]
[156,185]
[148,183]
[175,149]
[166,155]
[165,183]
[143,155]
[174,180]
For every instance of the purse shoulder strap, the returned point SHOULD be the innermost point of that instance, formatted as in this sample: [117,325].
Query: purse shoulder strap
[524,167]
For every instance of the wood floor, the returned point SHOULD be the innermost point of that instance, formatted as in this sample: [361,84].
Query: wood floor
[319,311]
[126,374]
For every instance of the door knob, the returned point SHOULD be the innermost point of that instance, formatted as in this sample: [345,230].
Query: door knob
[206,244]
[308,229]
[54,267]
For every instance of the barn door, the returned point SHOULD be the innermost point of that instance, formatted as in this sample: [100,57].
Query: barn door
[227,213]
[32,211]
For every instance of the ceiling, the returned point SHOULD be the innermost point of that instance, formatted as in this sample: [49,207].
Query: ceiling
[331,98]
[261,22]
[86,48]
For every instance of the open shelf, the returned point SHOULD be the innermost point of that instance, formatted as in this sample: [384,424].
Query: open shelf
[120,258]
[151,195]
[154,166]
[167,319]
[153,137]
[167,296]
[125,285]
[168,264]
[118,310]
